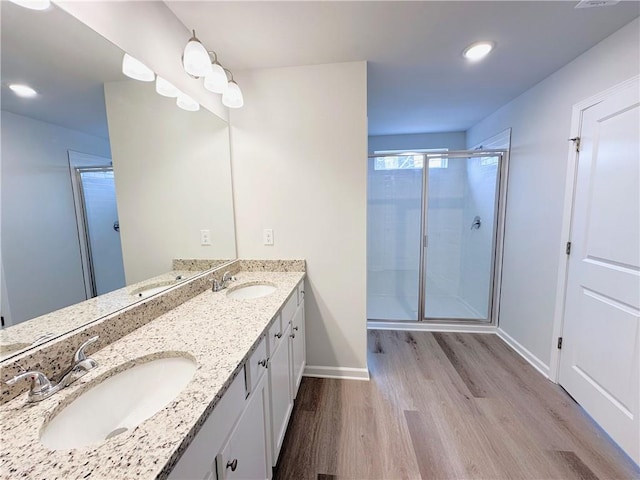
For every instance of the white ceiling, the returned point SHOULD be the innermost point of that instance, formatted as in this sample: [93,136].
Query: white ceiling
[64,60]
[417,79]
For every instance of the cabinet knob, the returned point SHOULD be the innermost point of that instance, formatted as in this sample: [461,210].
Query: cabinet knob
[295,328]
[263,363]
[293,335]
[233,464]
[278,335]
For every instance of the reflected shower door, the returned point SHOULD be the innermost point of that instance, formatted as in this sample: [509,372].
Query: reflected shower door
[460,236]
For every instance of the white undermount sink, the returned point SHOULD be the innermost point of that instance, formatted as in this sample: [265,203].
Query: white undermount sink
[244,292]
[152,289]
[118,404]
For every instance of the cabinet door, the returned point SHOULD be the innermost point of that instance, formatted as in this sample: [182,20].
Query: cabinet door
[298,354]
[246,455]
[280,393]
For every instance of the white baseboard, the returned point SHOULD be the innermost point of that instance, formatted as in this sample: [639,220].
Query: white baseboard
[343,373]
[430,327]
[524,353]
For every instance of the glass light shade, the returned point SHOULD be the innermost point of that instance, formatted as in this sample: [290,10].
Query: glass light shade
[195,59]
[232,98]
[187,103]
[166,88]
[216,81]
[137,70]
[33,4]
[477,51]
[23,90]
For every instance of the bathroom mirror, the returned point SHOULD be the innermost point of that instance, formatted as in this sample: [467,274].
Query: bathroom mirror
[103,182]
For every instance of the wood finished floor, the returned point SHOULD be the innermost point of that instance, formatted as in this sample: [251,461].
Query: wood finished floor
[444,406]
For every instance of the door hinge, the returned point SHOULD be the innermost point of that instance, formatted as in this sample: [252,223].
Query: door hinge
[576,142]
[559,343]
[568,249]
[2,321]
[425,241]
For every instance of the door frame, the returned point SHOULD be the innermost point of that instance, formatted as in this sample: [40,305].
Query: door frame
[498,237]
[78,160]
[567,218]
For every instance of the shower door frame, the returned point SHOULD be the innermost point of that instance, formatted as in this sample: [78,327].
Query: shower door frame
[498,235]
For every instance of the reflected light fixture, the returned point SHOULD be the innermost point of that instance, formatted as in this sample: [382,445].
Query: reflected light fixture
[232,97]
[23,90]
[187,103]
[166,88]
[195,59]
[137,70]
[33,4]
[477,51]
[216,81]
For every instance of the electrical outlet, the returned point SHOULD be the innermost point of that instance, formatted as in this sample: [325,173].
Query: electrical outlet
[205,237]
[267,236]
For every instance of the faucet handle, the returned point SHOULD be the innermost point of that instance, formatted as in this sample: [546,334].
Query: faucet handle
[80,355]
[39,381]
[226,276]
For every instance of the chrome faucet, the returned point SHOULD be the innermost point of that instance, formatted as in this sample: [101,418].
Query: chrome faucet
[42,387]
[226,279]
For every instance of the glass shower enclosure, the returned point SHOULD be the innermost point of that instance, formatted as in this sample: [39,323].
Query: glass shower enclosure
[433,228]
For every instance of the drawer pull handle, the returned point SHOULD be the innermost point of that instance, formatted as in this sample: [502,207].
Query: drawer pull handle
[295,328]
[233,464]
[263,363]
[278,335]
[293,335]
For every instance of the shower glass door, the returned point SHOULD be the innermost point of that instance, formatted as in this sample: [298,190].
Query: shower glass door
[460,219]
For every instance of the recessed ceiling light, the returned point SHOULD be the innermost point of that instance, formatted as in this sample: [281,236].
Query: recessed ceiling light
[23,90]
[477,51]
[33,4]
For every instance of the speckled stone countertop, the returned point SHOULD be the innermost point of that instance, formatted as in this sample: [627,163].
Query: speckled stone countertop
[50,325]
[217,331]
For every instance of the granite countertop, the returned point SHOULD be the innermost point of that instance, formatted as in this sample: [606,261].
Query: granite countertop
[50,325]
[217,331]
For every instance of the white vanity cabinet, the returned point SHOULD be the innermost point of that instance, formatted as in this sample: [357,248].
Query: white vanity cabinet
[243,436]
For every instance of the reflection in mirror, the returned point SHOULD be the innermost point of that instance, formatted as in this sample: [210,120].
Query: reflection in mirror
[104,182]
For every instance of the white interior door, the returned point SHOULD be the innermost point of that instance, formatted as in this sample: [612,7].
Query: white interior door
[600,363]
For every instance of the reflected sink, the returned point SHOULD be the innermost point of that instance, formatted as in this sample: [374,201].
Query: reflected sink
[244,292]
[152,289]
[118,404]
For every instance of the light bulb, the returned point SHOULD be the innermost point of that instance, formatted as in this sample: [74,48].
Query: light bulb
[23,90]
[477,51]
[195,59]
[33,4]
[137,70]
[187,103]
[216,81]
[232,98]
[166,88]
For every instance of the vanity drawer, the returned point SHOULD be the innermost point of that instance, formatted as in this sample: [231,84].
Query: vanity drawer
[254,368]
[275,334]
[289,309]
[301,292]
[198,459]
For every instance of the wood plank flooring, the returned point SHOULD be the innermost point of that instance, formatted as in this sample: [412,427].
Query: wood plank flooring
[444,406]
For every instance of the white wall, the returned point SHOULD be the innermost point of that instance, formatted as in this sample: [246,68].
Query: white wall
[150,32]
[170,187]
[40,249]
[449,140]
[540,120]
[299,166]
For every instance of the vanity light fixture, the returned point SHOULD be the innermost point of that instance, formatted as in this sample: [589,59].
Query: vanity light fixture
[187,103]
[216,81]
[195,59]
[232,97]
[23,90]
[166,88]
[477,51]
[137,70]
[33,4]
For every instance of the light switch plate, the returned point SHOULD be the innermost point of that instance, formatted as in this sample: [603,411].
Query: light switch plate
[205,237]
[267,236]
